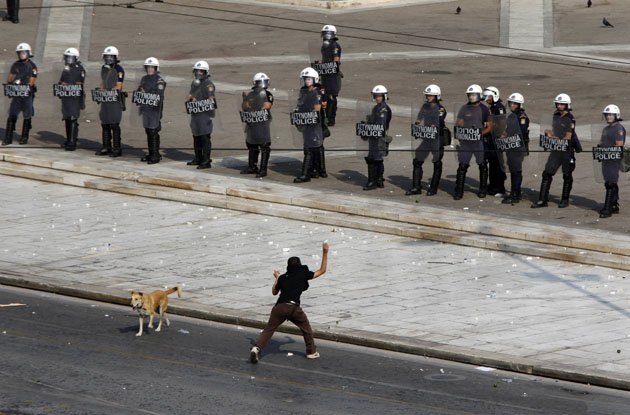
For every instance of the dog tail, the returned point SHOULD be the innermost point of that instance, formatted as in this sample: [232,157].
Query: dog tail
[172,290]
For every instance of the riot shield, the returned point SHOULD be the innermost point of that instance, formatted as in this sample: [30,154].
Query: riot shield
[203,110]
[314,50]
[512,144]
[256,119]
[426,134]
[467,130]
[5,101]
[499,127]
[306,123]
[368,134]
[607,156]
[553,138]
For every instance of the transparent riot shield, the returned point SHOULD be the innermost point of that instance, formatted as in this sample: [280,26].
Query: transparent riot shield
[314,50]
[467,129]
[369,135]
[306,123]
[426,134]
[255,115]
[607,154]
[554,131]
[499,127]
[5,101]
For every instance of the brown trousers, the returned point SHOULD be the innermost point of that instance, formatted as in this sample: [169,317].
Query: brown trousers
[281,313]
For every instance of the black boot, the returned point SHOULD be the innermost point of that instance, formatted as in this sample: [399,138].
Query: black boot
[614,208]
[149,155]
[26,127]
[483,180]
[460,179]
[332,110]
[306,165]
[435,179]
[107,140]
[206,152]
[416,179]
[321,162]
[154,149]
[371,180]
[197,149]
[516,180]
[117,141]
[543,197]
[606,211]
[68,125]
[380,171]
[314,167]
[567,185]
[8,133]
[265,153]
[71,144]
[252,160]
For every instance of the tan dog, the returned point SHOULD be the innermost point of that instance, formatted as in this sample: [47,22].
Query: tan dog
[148,304]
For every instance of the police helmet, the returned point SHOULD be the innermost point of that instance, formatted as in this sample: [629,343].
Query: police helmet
[24,47]
[516,97]
[328,32]
[563,99]
[202,65]
[474,89]
[261,79]
[612,109]
[380,90]
[433,90]
[111,50]
[309,73]
[491,91]
[71,52]
[152,62]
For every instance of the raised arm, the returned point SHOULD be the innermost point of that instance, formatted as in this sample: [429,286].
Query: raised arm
[275,290]
[322,268]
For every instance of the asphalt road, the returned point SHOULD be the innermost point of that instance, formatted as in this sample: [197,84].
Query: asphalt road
[60,355]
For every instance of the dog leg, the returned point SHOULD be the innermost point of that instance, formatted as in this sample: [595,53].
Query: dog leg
[151,320]
[159,327]
[168,323]
[141,321]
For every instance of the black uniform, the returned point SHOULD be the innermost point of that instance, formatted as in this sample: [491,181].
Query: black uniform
[13,11]
[312,134]
[378,147]
[21,73]
[202,90]
[471,120]
[514,144]
[331,82]
[431,119]
[318,163]
[72,101]
[153,86]
[611,134]
[496,177]
[110,113]
[563,124]
[257,129]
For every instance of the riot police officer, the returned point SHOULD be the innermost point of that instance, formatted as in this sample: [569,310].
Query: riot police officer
[331,79]
[496,175]
[21,88]
[258,133]
[72,95]
[13,11]
[613,135]
[112,78]
[515,143]
[431,115]
[151,103]
[472,123]
[310,102]
[202,105]
[378,144]
[565,144]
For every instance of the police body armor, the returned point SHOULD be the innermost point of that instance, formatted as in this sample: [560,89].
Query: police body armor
[201,123]
[111,112]
[153,86]
[73,75]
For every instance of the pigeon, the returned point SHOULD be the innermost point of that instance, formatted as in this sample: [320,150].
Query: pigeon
[589,3]
[607,23]
[458,10]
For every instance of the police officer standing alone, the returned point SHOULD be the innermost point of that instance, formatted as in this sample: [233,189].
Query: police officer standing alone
[613,135]
[72,96]
[496,176]
[562,142]
[21,88]
[331,70]
[201,104]
[514,143]
[13,11]
[112,78]
[151,99]
[378,144]
[256,108]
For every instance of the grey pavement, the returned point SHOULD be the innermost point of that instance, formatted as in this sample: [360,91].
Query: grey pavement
[471,301]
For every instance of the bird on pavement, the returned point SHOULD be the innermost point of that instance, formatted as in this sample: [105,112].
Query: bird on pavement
[458,10]
[607,23]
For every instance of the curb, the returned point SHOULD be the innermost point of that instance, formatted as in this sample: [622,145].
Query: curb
[350,336]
